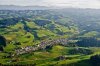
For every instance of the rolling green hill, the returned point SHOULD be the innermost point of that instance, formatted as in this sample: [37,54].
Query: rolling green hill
[58,38]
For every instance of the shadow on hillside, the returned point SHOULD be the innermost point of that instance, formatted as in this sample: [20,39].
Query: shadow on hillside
[80,63]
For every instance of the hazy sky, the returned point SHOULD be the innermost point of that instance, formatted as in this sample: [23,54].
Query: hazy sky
[66,3]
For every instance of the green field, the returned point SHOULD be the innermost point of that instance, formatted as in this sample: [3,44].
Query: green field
[49,57]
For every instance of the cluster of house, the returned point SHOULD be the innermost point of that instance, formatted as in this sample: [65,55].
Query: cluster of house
[41,45]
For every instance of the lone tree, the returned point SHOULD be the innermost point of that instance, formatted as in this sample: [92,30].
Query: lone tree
[2,41]
[95,60]
[1,48]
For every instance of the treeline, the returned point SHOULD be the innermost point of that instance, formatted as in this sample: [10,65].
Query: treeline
[88,42]
[12,21]
[84,51]
[42,22]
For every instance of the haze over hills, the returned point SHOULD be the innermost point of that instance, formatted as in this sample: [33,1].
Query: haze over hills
[58,3]
[16,7]
[37,7]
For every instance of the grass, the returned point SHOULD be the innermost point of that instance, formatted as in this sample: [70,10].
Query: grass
[42,33]
[45,58]
[16,33]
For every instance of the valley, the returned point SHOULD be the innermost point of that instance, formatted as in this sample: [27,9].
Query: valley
[63,37]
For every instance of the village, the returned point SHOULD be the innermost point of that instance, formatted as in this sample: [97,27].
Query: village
[42,45]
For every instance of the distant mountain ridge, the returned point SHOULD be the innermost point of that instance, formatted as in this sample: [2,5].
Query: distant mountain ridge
[16,7]
[36,7]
